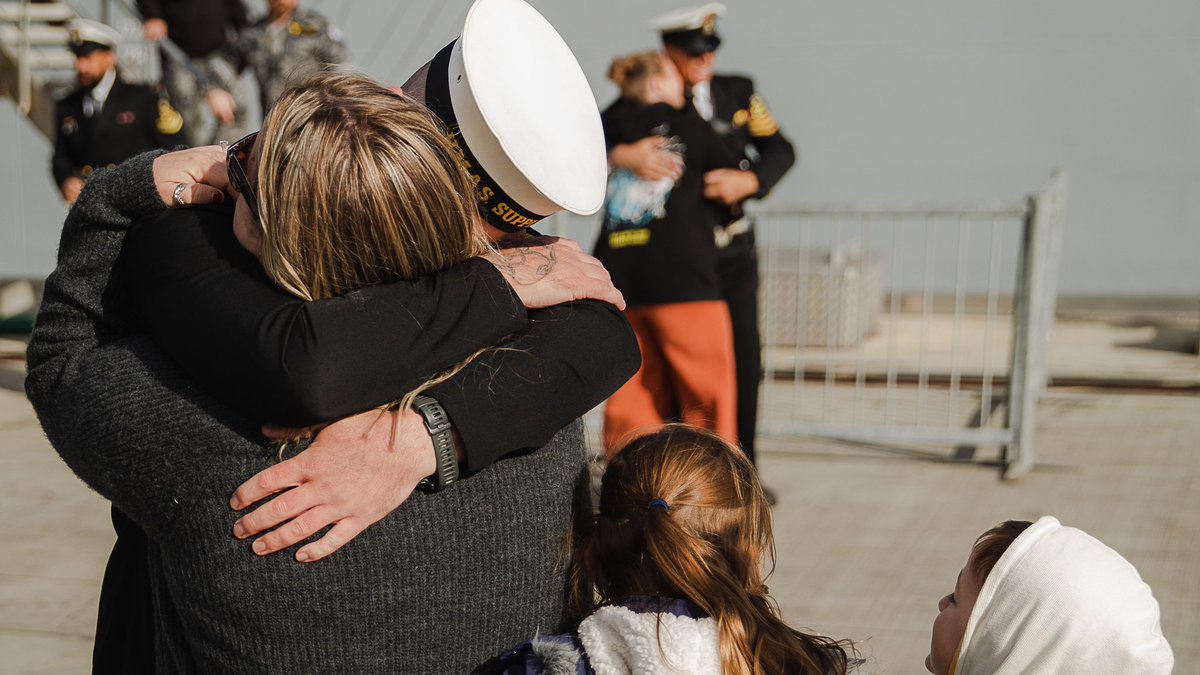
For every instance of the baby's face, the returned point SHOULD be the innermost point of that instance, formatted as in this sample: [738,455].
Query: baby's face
[953,612]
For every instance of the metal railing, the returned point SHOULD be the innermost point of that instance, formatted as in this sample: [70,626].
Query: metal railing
[905,324]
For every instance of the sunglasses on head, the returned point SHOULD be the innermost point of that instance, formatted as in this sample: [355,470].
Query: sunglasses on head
[236,156]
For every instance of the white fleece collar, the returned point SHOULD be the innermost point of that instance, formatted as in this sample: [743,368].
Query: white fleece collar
[621,641]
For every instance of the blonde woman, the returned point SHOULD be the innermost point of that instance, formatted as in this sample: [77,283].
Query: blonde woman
[349,197]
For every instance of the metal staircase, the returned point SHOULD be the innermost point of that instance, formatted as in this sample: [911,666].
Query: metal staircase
[35,64]
[35,61]
[37,67]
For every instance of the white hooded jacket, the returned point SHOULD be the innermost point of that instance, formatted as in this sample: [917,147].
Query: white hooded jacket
[1060,601]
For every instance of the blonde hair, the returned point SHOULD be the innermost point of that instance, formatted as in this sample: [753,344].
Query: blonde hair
[704,543]
[632,74]
[358,185]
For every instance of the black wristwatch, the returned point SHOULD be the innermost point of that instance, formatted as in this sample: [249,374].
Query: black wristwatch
[437,422]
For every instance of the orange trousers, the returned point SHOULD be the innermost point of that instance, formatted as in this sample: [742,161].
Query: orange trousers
[687,373]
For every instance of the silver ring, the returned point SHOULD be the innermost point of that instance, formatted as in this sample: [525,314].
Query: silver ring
[224,144]
[177,197]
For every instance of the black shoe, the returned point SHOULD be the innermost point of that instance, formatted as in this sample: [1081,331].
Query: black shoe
[772,497]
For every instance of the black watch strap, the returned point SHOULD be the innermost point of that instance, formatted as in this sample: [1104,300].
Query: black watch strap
[437,422]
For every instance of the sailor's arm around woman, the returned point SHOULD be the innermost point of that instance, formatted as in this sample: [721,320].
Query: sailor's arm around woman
[90,330]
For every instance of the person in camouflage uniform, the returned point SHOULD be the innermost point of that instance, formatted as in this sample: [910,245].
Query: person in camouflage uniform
[201,29]
[286,46]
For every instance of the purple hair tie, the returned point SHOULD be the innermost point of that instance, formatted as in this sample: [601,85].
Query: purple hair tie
[659,503]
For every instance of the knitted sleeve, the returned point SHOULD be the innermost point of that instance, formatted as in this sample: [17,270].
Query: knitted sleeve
[105,400]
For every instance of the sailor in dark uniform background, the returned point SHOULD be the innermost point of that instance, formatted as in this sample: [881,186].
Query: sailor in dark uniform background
[733,106]
[105,121]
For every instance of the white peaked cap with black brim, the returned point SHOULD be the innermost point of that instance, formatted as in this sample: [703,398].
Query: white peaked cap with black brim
[86,36]
[692,29]
[687,18]
[522,114]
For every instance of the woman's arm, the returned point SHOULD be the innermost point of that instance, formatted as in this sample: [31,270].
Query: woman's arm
[278,359]
[286,361]
[518,396]
[112,406]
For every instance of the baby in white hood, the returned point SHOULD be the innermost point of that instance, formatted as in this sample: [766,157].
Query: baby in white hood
[1044,598]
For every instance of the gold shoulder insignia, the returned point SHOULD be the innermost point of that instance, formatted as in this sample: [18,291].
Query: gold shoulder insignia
[296,29]
[741,117]
[761,122]
[169,120]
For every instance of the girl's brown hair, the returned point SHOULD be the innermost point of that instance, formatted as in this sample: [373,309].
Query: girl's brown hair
[704,542]
[991,545]
[358,185]
[632,73]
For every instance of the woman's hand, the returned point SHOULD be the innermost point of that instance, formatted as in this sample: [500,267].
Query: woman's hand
[201,171]
[357,471]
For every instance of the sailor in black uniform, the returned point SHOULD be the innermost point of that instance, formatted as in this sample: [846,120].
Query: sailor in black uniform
[105,121]
[734,108]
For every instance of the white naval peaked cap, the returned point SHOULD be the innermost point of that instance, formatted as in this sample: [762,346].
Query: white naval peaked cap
[87,36]
[686,18]
[521,111]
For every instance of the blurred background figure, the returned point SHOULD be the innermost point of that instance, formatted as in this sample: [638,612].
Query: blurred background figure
[736,111]
[202,29]
[656,241]
[285,46]
[105,121]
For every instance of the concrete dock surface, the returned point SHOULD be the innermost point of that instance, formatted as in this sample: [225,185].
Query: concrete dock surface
[869,537]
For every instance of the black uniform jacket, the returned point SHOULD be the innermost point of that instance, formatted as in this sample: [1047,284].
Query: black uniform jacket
[670,258]
[133,120]
[741,117]
[208,304]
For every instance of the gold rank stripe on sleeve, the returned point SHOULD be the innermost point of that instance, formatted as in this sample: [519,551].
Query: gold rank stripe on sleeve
[761,122]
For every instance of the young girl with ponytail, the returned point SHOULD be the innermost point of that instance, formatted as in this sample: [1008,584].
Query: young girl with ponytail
[669,578]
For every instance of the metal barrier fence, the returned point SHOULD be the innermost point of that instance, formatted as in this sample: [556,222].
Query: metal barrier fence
[906,324]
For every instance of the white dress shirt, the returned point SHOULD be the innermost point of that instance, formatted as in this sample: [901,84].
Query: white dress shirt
[702,99]
[93,101]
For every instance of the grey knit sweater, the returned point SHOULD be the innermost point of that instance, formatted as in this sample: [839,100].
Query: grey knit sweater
[438,586]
